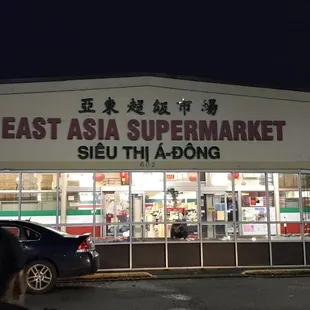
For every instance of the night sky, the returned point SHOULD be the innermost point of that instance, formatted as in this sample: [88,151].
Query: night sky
[254,44]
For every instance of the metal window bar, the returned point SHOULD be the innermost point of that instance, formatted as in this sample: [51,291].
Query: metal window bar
[57,198]
[20,195]
[94,206]
[165,221]
[233,190]
[130,219]
[268,217]
[301,212]
[199,217]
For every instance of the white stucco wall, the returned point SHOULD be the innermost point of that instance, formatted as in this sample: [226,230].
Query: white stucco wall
[38,102]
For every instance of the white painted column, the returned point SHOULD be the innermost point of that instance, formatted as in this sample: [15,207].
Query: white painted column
[63,201]
[277,201]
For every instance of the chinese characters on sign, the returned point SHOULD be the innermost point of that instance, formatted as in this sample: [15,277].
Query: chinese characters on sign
[160,108]
[87,106]
[209,106]
[109,106]
[184,106]
[137,106]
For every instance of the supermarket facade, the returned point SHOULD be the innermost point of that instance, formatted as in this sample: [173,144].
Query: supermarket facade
[163,173]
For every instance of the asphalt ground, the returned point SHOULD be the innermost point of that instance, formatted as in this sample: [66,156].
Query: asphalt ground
[205,294]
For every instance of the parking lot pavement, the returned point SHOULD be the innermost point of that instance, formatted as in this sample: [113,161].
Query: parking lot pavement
[204,294]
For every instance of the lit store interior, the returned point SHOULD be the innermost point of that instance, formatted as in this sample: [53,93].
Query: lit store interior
[143,220]
[143,206]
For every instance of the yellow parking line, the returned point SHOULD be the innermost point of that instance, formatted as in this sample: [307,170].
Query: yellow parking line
[276,271]
[110,275]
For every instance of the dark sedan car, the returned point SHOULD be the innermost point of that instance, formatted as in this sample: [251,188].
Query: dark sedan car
[52,254]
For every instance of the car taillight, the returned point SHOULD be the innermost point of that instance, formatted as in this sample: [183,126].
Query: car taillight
[83,246]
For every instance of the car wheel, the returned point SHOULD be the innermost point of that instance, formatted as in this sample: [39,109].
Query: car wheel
[41,277]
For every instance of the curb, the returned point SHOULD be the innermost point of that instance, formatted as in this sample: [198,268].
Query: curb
[131,276]
[110,276]
[277,273]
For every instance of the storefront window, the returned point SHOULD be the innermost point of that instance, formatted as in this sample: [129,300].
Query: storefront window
[39,197]
[151,232]
[218,232]
[75,199]
[9,196]
[112,232]
[217,205]
[148,212]
[157,206]
[182,205]
[252,202]
[286,207]
[76,229]
[253,232]
[112,206]
[305,189]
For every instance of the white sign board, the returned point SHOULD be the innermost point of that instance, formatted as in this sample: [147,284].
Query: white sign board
[149,128]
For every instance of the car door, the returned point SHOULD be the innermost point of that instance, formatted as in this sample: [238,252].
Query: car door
[30,241]
[27,238]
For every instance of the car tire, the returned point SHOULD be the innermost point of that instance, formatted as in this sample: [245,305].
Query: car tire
[41,277]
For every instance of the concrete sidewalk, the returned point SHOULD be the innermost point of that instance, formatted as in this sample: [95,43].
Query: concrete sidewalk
[191,273]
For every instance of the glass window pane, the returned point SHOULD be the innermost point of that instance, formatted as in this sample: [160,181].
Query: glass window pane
[147,181]
[39,197]
[112,233]
[252,232]
[152,210]
[218,232]
[305,189]
[112,204]
[151,232]
[9,195]
[251,197]
[183,231]
[286,198]
[181,199]
[217,202]
[147,200]
[286,231]
[80,229]
[75,199]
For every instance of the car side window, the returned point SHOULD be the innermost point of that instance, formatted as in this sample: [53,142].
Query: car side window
[31,235]
[14,230]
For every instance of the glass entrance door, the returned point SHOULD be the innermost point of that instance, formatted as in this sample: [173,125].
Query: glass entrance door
[114,212]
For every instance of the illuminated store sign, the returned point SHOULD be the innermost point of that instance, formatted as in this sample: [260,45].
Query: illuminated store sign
[108,122]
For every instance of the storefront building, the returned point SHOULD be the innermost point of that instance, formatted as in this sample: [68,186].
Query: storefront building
[129,160]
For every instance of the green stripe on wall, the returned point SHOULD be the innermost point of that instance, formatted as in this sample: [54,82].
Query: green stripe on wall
[89,212]
[161,200]
[47,213]
[294,210]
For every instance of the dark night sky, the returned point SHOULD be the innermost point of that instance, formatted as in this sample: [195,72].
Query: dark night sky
[257,44]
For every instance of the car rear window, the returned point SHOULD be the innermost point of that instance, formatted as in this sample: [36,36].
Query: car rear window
[31,235]
[57,231]
[51,229]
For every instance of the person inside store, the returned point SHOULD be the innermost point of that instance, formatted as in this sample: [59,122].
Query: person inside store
[178,231]
[12,278]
